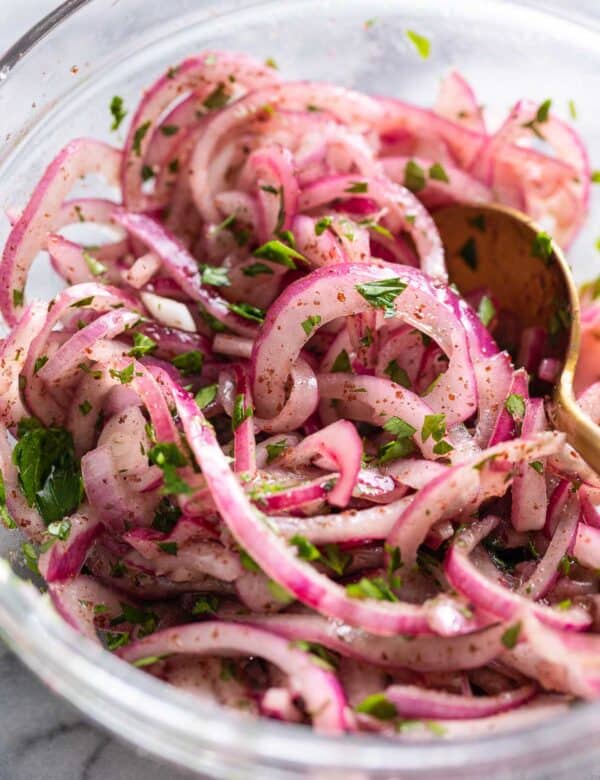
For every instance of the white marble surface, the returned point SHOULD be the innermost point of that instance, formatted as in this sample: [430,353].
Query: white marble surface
[40,735]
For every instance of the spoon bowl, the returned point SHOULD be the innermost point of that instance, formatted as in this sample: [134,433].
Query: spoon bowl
[501,253]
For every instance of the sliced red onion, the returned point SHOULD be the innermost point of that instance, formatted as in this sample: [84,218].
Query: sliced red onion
[414,702]
[319,688]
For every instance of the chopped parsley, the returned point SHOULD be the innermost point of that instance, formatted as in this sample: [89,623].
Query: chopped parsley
[240,412]
[275,450]
[60,529]
[17,297]
[40,362]
[31,558]
[377,705]
[434,425]
[542,247]
[206,395]
[357,188]
[306,549]
[382,294]
[118,112]
[277,252]
[342,363]
[515,406]
[538,466]
[414,177]
[166,516]
[376,588]
[256,269]
[397,374]
[334,557]
[169,130]
[310,323]
[217,98]
[82,303]
[438,172]
[125,376]
[5,517]
[486,310]
[147,173]
[541,116]
[139,136]
[189,362]
[49,473]
[421,44]
[142,345]
[168,457]
[248,312]
[511,636]
[217,277]
[322,224]
[170,548]
[205,605]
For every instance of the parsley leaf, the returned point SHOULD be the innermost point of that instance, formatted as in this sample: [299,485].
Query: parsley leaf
[322,225]
[382,294]
[248,312]
[306,549]
[125,376]
[399,427]
[468,253]
[95,267]
[40,362]
[438,172]
[205,605]
[206,395]
[335,558]
[168,457]
[60,529]
[170,548]
[275,450]
[421,44]
[118,112]
[342,363]
[139,136]
[397,374]
[486,310]
[515,406]
[310,323]
[511,636]
[217,277]
[434,425]
[542,247]
[240,412]
[166,516]
[358,187]
[414,177]
[142,345]
[538,466]
[49,473]
[256,269]
[277,252]
[365,588]
[169,130]
[217,98]
[397,448]
[377,705]
[189,362]
[4,513]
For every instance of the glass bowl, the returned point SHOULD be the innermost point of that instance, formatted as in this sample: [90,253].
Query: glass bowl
[55,84]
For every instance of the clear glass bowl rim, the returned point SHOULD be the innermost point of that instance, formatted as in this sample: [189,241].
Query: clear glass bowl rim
[202,737]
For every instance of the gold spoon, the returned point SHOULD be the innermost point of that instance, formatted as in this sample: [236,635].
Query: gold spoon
[500,249]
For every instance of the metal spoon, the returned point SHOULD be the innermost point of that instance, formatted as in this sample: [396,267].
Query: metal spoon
[500,249]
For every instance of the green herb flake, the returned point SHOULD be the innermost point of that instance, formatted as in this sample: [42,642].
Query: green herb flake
[397,374]
[142,345]
[414,177]
[256,269]
[139,136]
[206,395]
[170,548]
[486,310]
[49,473]
[95,267]
[322,224]
[511,636]
[399,428]
[310,323]
[564,605]
[468,252]
[115,640]
[5,516]
[31,558]
[81,304]
[147,173]
[277,252]
[335,558]
[205,605]
[438,172]
[270,63]
[168,457]
[382,294]
[275,450]
[572,109]
[357,188]
[40,362]
[595,177]
[60,529]
[434,425]
[173,165]
[442,448]
[118,112]
[421,44]
[215,276]
[248,312]
[342,363]
[125,376]
[515,406]
[377,705]
[306,549]
[217,98]
[240,412]
[538,466]
[376,588]
[169,130]
[17,297]
[189,362]
[149,660]
[542,247]
[393,450]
